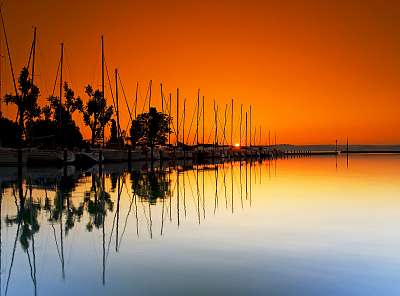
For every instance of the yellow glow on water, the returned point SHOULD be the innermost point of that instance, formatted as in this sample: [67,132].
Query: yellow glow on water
[303,217]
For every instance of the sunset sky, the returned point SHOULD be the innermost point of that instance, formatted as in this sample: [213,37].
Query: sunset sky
[313,71]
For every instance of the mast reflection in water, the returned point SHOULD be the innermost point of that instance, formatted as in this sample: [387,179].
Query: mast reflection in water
[238,227]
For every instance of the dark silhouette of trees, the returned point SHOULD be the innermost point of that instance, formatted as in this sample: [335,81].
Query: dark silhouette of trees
[96,113]
[26,102]
[113,133]
[62,113]
[150,129]
[8,132]
[151,185]
[58,127]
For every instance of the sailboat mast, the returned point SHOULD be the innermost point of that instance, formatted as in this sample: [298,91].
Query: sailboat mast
[250,125]
[240,127]
[8,52]
[162,98]
[151,82]
[183,121]
[136,94]
[61,69]
[216,126]
[102,77]
[269,138]
[61,77]
[177,117]
[34,53]
[246,131]
[203,122]
[232,123]
[0,91]
[117,105]
[169,123]
[197,120]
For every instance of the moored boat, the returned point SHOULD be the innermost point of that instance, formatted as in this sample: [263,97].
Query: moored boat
[46,157]
[13,157]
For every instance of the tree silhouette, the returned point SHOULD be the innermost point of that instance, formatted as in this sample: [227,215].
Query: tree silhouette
[8,132]
[150,129]
[96,113]
[26,101]
[58,125]
[62,113]
[151,185]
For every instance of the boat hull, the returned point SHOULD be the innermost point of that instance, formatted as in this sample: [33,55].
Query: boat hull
[9,157]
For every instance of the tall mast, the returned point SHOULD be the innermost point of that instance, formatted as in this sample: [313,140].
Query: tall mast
[34,53]
[183,121]
[232,123]
[102,77]
[136,93]
[117,105]
[61,70]
[240,128]
[246,131]
[177,117]
[169,123]
[216,126]
[260,136]
[0,76]
[250,125]
[61,77]
[151,82]
[269,138]
[197,120]
[224,138]
[162,99]
[203,121]
[8,52]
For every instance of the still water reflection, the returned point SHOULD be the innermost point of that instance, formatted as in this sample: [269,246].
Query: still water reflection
[312,226]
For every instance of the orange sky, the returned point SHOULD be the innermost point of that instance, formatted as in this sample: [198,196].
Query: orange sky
[313,71]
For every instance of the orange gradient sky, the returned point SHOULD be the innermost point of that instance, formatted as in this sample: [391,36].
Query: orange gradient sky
[314,71]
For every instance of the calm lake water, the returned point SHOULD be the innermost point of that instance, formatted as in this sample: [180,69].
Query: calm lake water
[302,226]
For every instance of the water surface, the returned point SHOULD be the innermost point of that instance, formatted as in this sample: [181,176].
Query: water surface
[300,226]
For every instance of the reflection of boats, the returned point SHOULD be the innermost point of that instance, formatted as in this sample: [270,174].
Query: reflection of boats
[9,156]
[118,155]
[42,157]
[85,157]
[115,155]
